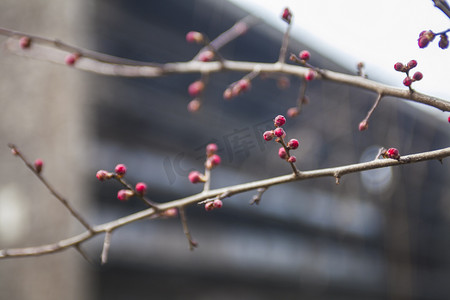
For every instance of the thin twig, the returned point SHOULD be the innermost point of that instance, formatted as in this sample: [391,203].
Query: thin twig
[257,198]
[141,197]
[192,244]
[336,172]
[443,6]
[284,45]
[61,199]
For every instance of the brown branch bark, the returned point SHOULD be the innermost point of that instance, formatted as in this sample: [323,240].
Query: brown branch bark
[336,172]
[114,66]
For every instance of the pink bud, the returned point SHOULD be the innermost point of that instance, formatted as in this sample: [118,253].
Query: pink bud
[196,88]
[304,55]
[417,76]
[292,159]
[25,42]
[194,105]
[196,177]
[310,74]
[120,170]
[279,132]
[244,84]
[392,153]
[282,153]
[268,135]
[71,59]
[141,188]
[206,56]
[293,112]
[279,121]
[287,15]
[213,160]
[217,203]
[211,149]
[124,195]
[170,213]
[38,164]
[407,81]
[399,67]
[103,175]
[293,144]
[412,64]
[209,206]
[194,37]
[363,125]
[227,94]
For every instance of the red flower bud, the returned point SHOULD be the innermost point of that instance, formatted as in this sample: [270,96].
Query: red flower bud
[141,188]
[399,67]
[412,64]
[292,159]
[392,153]
[293,112]
[279,121]
[206,56]
[211,149]
[282,153]
[310,74]
[194,105]
[217,203]
[120,170]
[268,135]
[304,55]
[363,125]
[25,42]
[194,37]
[38,164]
[213,160]
[196,88]
[124,195]
[417,76]
[71,59]
[196,177]
[279,132]
[209,206]
[287,15]
[102,175]
[407,81]
[293,144]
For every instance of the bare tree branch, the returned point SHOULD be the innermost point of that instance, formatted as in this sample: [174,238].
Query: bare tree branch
[114,66]
[336,172]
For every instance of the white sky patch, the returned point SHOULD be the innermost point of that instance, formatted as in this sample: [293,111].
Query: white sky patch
[378,33]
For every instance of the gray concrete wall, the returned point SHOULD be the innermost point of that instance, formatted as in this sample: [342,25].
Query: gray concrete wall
[42,112]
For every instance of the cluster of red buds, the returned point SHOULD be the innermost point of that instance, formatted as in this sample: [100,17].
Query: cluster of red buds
[237,88]
[70,59]
[212,160]
[427,36]
[405,69]
[279,134]
[390,153]
[195,90]
[199,38]
[217,203]
[119,172]
[302,59]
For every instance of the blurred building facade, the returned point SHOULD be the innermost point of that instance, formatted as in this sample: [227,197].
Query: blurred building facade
[380,234]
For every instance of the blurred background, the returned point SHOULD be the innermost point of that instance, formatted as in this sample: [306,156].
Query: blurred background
[382,234]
